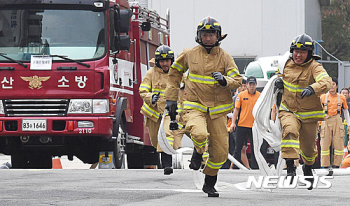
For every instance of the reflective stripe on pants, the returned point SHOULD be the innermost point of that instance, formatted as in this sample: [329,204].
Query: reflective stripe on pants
[332,130]
[296,130]
[153,128]
[214,131]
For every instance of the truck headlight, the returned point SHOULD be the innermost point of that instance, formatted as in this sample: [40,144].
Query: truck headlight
[81,106]
[100,106]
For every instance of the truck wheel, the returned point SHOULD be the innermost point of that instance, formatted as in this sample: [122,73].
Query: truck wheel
[119,143]
[117,154]
[31,160]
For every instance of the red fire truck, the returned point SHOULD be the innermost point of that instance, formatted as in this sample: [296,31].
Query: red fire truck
[70,72]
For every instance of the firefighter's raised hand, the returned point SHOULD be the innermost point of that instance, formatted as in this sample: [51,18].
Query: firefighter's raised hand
[155,98]
[308,91]
[220,78]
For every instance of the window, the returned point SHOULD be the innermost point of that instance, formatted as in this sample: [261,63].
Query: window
[242,63]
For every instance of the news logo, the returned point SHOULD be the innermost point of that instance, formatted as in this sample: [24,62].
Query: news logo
[286,182]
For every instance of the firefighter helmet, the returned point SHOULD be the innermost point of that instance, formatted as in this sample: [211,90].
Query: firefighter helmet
[163,52]
[302,41]
[208,24]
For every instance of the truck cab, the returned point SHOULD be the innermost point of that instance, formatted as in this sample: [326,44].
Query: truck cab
[69,74]
[262,69]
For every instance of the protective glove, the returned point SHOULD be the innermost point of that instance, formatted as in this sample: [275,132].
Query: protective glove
[220,78]
[308,91]
[279,83]
[169,106]
[155,98]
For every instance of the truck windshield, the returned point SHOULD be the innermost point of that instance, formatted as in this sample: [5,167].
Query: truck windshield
[77,34]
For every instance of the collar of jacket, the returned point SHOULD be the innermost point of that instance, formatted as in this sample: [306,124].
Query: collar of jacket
[160,70]
[214,50]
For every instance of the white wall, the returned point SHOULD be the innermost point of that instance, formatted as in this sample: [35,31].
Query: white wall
[254,28]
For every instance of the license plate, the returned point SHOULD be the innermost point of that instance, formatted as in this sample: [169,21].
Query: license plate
[34,125]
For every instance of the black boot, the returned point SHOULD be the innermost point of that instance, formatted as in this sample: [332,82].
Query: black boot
[167,163]
[291,169]
[196,160]
[208,187]
[308,172]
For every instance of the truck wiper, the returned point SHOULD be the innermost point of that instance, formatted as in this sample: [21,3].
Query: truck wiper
[69,59]
[13,60]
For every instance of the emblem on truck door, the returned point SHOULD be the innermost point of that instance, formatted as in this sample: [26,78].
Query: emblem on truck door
[35,81]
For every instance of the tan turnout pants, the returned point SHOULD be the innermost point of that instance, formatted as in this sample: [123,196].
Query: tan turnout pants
[298,137]
[332,130]
[153,128]
[174,137]
[205,130]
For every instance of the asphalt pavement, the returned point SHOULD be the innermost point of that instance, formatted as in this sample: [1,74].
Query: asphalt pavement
[150,187]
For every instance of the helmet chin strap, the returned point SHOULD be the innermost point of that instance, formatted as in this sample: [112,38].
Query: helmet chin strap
[309,56]
[208,48]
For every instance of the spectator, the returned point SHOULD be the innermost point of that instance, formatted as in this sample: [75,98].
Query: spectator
[244,104]
[346,92]
[331,128]
[228,164]
[346,162]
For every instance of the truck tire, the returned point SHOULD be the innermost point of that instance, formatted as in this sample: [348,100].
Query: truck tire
[117,154]
[119,142]
[31,160]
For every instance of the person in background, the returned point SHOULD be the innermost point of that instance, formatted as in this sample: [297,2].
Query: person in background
[152,92]
[332,130]
[346,92]
[244,105]
[346,161]
[228,164]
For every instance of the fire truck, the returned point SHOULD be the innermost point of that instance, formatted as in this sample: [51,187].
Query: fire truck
[69,73]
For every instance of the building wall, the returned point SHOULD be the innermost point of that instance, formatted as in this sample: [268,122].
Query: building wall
[255,28]
[313,19]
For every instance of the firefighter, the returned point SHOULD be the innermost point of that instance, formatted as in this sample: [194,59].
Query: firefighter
[304,80]
[178,134]
[212,74]
[152,92]
[174,137]
[332,129]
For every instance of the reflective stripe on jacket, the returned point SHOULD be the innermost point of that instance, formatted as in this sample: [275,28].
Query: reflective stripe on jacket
[202,91]
[154,82]
[298,77]
[305,115]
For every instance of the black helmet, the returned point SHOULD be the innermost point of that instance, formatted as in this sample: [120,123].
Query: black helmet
[208,24]
[302,41]
[163,52]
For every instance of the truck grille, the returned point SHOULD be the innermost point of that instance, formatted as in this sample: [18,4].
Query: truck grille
[36,107]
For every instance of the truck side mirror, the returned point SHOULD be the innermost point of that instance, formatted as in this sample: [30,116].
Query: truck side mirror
[146,26]
[124,43]
[122,20]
